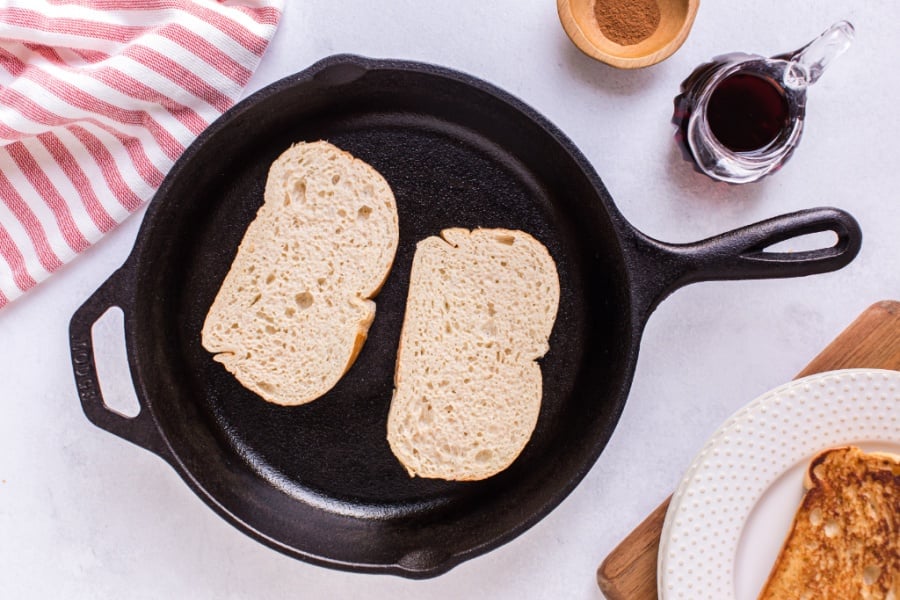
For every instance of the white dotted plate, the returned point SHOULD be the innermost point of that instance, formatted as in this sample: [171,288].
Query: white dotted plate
[732,510]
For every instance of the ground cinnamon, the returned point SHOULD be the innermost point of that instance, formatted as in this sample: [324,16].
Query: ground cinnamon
[627,22]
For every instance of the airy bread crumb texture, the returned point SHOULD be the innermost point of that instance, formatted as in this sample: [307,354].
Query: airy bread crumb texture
[845,539]
[480,309]
[294,310]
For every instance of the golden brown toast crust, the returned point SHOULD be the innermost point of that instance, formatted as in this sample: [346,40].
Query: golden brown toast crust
[845,539]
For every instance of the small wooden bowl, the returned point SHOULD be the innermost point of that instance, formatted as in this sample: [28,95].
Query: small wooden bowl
[676,19]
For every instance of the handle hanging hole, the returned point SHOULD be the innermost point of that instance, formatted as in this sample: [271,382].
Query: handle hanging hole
[111,359]
[805,243]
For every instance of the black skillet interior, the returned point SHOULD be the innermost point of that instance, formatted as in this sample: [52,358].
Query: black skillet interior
[319,481]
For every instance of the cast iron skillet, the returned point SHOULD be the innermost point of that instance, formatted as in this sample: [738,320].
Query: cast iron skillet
[318,482]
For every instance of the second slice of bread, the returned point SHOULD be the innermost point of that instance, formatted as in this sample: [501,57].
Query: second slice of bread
[294,310]
[480,309]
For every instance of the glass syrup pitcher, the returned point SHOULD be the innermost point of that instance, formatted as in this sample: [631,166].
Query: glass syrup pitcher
[740,116]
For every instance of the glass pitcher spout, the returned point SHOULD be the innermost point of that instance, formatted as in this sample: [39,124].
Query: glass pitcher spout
[807,64]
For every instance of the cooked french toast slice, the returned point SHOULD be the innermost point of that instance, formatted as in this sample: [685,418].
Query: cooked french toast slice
[845,540]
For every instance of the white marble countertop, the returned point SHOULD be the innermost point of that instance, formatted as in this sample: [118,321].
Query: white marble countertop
[84,514]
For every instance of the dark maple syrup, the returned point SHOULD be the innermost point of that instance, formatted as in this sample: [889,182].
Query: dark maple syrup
[746,112]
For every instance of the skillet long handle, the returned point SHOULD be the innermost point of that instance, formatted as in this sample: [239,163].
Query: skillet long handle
[742,253]
[140,429]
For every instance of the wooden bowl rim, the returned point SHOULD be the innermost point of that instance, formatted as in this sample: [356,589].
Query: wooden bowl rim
[583,41]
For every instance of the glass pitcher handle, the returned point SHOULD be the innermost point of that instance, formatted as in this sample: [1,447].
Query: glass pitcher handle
[809,62]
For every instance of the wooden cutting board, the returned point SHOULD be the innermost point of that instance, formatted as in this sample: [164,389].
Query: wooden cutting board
[872,341]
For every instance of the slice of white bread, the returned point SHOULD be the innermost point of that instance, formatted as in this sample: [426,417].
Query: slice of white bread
[480,310]
[845,539]
[294,310]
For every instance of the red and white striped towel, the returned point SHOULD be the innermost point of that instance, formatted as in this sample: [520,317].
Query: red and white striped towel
[98,98]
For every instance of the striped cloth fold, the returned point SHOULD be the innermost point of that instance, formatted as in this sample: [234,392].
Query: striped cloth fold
[98,98]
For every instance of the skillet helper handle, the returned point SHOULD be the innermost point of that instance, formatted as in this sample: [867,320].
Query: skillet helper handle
[140,429]
[743,253]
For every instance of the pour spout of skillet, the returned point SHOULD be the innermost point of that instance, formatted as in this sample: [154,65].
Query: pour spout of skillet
[340,70]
